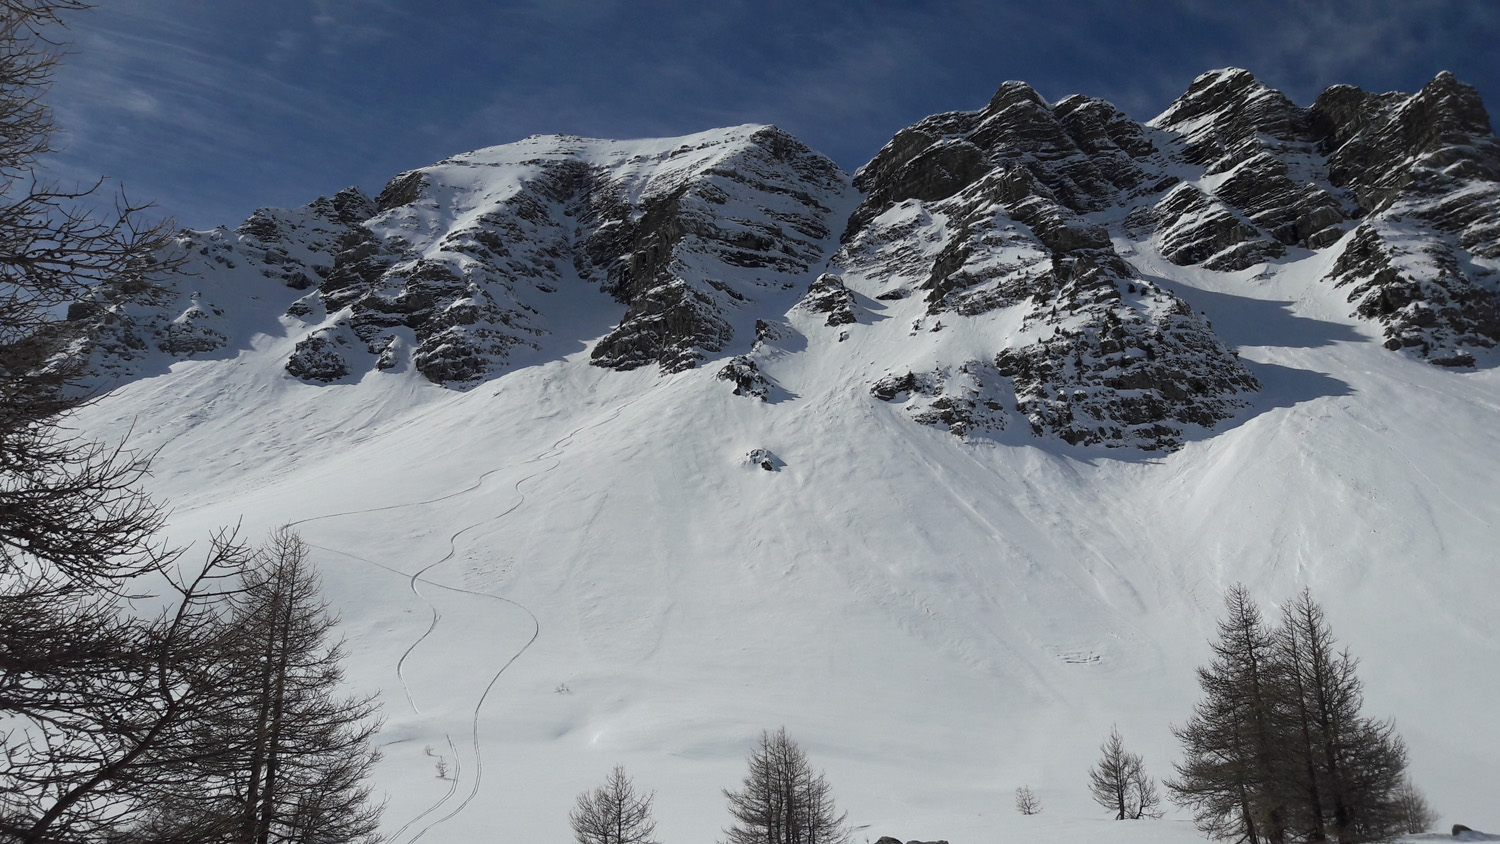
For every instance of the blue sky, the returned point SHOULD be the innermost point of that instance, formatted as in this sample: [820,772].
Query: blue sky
[211,109]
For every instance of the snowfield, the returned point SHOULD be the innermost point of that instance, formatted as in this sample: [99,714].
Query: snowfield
[566,567]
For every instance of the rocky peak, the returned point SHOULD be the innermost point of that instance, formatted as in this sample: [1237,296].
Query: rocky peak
[1261,188]
[1343,111]
[1018,122]
[1102,356]
[918,163]
[718,241]
[1425,169]
[1211,93]
[1371,140]
[1082,150]
[1013,94]
[457,268]
[1225,117]
[1098,128]
[351,205]
[1454,109]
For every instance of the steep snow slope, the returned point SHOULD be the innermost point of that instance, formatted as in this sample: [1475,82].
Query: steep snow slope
[937,620]
[574,560]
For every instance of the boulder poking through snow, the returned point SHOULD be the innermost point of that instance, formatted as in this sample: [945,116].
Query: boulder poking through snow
[764,459]
[746,377]
[828,295]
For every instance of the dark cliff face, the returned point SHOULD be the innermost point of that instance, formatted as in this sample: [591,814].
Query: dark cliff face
[1403,186]
[123,326]
[1227,117]
[1083,150]
[760,215]
[1373,140]
[1102,356]
[1425,172]
[451,303]
[1021,202]
[1259,191]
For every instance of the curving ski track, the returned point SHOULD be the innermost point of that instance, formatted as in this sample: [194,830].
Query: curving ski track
[452,788]
[553,452]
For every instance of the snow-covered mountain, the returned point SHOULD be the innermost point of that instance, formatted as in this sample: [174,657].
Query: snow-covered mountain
[463,269]
[623,450]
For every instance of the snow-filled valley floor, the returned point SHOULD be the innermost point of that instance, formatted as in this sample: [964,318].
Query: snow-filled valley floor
[567,568]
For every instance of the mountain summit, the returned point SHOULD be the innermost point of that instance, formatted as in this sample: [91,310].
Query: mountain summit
[1044,239]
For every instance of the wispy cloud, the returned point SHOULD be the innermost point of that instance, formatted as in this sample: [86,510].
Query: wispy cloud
[1301,48]
[218,107]
[343,24]
[157,95]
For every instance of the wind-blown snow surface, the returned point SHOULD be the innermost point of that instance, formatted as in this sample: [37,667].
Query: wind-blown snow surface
[569,567]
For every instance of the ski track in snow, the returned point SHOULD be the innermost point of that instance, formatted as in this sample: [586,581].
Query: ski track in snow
[553,453]
[452,789]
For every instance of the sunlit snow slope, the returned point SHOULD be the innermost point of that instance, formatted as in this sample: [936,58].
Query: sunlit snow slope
[563,566]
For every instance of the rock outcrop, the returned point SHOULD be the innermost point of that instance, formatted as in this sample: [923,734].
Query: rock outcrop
[743,372]
[1424,261]
[702,245]
[456,268]
[471,254]
[274,253]
[1098,355]
[1408,186]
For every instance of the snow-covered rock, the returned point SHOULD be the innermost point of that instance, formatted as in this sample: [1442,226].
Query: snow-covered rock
[1093,354]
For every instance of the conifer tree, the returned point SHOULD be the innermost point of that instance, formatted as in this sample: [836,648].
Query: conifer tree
[1119,783]
[782,801]
[1347,766]
[308,751]
[1228,778]
[283,759]
[1277,749]
[613,813]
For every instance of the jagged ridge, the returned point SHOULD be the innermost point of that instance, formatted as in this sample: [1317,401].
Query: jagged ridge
[1003,221]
